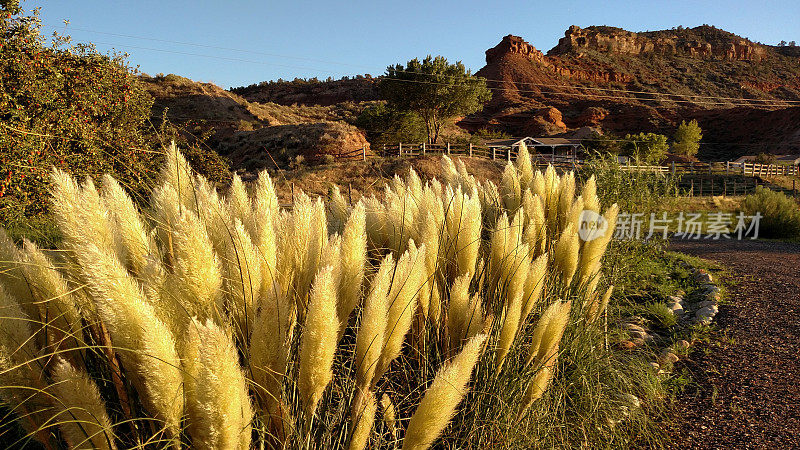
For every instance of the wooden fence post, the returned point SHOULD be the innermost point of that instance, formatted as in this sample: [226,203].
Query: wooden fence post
[673,167]
[509,154]
[494,153]
[423,148]
[727,167]
[364,152]
[400,149]
[448,148]
[470,149]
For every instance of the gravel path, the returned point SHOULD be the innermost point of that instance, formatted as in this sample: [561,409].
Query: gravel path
[745,390]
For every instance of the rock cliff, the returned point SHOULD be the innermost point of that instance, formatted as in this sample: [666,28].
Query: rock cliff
[616,40]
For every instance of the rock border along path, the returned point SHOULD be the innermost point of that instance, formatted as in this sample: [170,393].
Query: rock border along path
[745,390]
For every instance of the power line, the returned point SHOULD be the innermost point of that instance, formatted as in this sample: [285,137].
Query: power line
[194,44]
[748,101]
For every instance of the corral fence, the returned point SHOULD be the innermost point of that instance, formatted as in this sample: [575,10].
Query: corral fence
[572,162]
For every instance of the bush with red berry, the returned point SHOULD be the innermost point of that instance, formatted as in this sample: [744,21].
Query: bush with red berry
[71,107]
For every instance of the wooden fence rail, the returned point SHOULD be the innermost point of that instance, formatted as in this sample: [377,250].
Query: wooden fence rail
[571,162]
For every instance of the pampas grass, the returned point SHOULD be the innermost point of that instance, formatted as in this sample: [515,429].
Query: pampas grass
[80,409]
[147,346]
[217,403]
[442,397]
[216,320]
[319,342]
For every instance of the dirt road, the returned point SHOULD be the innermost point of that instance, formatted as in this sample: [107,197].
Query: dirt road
[746,383]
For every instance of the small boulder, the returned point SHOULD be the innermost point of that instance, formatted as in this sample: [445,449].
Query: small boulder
[682,345]
[710,289]
[635,328]
[675,299]
[706,304]
[703,277]
[706,314]
[667,357]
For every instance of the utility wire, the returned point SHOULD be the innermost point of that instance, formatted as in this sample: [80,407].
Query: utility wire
[767,102]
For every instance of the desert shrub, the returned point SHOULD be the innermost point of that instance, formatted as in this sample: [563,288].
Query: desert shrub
[65,105]
[470,312]
[780,214]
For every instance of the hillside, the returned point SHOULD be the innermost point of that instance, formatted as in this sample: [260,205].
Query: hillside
[587,79]
[254,135]
[602,77]
[312,92]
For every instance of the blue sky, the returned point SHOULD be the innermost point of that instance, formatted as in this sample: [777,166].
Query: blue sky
[266,40]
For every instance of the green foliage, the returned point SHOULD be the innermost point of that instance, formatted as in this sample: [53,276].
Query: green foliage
[633,191]
[64,106]
[384,125]
[765,158]
[781,214]
[648,148]
[659,314]
[603,144]
[434,89]
[687,138]
[485,133]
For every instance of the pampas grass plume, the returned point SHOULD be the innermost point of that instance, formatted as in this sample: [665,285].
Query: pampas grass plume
[536,388]
[534,285]
[318,345]
[566,253]
[217,402]
[132,232]
[353,260]
[547,334]
[442,397]
[389,415]
[363,419]
[83,419]
[458,311]
[408,280]
[371,330]
[147,346]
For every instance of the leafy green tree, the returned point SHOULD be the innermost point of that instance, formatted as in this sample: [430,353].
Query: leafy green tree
[687,138]
[649,148]
[435,90]
[384,125]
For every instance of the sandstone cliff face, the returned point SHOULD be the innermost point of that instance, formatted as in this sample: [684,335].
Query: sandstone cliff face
[516,45]
[612,40]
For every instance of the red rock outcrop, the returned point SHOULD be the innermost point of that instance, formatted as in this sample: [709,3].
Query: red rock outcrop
[615,40]
[511,44]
